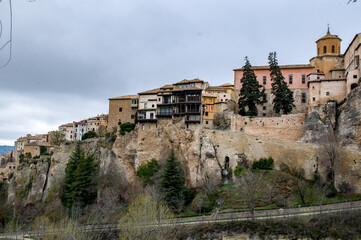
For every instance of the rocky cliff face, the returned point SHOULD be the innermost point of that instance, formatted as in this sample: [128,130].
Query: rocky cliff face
[349,121]
[202,152]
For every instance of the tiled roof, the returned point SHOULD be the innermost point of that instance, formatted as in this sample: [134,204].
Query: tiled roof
[67,125]
[126,97]
[294,66]
[196,80]
[150,92]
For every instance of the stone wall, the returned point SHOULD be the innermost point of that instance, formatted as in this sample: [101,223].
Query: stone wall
[289,127]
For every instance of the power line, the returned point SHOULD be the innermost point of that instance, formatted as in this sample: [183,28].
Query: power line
[10,41]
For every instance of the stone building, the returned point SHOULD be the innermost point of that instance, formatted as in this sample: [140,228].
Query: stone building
[68,130]
[295,76]
[122,110]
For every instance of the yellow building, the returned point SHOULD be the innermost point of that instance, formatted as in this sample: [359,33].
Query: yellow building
[215,99]
[209,109]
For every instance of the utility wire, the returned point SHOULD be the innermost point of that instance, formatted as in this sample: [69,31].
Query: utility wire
[10,42]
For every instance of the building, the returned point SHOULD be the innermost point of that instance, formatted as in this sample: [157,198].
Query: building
[122,110]
[165,102]
[68,130]
[80,128]
[187,97]
[295,76]
[21,142]
[147,111]
[352,63]
[209,108]
[37,148]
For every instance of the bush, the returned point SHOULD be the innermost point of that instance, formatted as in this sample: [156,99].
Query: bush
[147,170]
[126,127]
[331,191]
[263,164]
[238,170]
[107,134]
[90,134]
[45,154]
[280,202]
[36,157]
[345,188]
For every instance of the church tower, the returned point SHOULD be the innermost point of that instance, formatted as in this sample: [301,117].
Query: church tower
[329,44]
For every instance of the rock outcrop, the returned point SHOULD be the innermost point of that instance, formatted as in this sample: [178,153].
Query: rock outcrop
[349,121]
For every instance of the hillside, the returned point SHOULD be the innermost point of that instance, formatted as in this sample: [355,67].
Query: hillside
[5,149]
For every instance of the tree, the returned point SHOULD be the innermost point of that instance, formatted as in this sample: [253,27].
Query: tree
[143,219]
[147,170]
[79,188]
[251,187]
[283,96]
[172,184]
[56,138]
[251,93]
[90,134]
[330,155]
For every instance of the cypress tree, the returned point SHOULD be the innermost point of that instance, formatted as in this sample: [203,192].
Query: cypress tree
[250,94]
[172,183]
[283,96]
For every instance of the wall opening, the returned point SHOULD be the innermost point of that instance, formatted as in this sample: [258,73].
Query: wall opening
[354,85]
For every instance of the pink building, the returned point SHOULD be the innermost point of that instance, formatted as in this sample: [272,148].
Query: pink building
[295,76]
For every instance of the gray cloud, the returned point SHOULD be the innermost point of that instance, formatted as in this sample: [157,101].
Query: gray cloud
[70,56]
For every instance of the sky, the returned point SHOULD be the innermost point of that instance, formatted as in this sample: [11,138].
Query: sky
[68,57]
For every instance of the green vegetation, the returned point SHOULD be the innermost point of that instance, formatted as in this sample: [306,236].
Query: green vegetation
[172,186]
[283,96]
[80,186]
[263,164]
[147,170]
[126,127]
[251,93]
[239,170]
[90,134]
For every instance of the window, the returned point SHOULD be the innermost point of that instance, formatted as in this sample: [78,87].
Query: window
[192,85]
[180,86]
[318,51]
[224,95]
[290,78]
[205,107]
[206,113]
[206,122]
[303,78]
[188,85]
[152,105]
[132,101]
[263,114]
[264,108]
[327,93]
[158,99]
[313,99]
[303,97]
[184,86]
[333,49]
[143,127]
[210,100]
[120,109]
[264,79]
[324,49]
[145,105]
[132,116]
[354,76]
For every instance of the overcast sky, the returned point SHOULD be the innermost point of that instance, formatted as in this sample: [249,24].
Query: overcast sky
[69,57]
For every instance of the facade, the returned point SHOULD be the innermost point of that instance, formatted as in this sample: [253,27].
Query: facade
[37,148]
[295,76]
[68,130]
[80,128]
[187,95]
[352,63]
[122,110]
[209,108]
[165,102]
[147,111]
[22,144]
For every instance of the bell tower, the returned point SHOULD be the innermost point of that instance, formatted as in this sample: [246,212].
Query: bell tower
[329,44]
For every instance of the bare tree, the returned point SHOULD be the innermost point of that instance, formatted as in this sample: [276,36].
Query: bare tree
[251,188]
[143,219]
[330,155]
[56,137]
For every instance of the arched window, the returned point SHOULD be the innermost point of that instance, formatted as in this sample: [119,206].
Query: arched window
[333,48]
[324,49]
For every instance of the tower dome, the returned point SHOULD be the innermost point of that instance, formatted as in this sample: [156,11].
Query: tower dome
[329,44]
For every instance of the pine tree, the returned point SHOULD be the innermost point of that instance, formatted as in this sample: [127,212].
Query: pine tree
[283,96]
[251,93]
[172,183]
[80,185]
